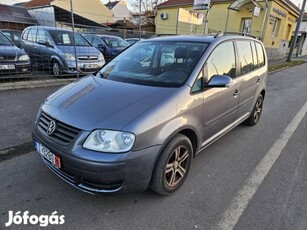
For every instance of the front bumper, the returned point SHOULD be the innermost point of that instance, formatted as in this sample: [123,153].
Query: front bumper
[20,68]
[83,67]
[95,172]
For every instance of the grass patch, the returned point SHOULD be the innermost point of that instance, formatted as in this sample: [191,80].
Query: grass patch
[285,65]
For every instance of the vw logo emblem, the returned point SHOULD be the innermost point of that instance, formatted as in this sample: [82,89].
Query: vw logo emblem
[51,127]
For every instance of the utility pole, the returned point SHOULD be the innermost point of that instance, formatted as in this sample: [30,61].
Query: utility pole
[140,21]
[298,24]
[264,20]
[73,37]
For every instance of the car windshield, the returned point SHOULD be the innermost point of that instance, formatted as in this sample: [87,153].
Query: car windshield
[65,38]
[162,64]
[4,41]
[115,42]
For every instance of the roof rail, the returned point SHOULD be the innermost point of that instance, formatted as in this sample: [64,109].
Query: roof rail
[234,33]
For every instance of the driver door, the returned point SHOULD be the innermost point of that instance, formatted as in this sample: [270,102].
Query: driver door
[220,104]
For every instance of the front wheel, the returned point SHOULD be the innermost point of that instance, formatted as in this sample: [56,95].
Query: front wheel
[56,69]
[256,113]
[172,166]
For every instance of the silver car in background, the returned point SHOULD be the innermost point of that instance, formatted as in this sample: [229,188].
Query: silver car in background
[53,49]
[146,114]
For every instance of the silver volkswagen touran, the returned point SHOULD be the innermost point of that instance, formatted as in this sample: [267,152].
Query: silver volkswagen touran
[140,120]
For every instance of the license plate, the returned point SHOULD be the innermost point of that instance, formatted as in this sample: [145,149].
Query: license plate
[47,154]
[6,67]
[90,66]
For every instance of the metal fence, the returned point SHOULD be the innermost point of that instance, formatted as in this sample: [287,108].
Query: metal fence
[53,50]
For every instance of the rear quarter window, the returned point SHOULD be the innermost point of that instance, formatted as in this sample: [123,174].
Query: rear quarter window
[260,54]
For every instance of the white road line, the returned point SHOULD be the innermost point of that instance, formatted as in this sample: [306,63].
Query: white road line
[240,201]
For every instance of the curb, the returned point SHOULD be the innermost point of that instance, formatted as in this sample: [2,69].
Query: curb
[288,67]
[35,84]
[10,152]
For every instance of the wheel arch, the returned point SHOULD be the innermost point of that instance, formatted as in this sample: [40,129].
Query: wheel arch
[56,58]
[263,93]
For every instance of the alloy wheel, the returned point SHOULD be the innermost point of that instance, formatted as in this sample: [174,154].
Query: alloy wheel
[177,166]
[258,110]
[56,69]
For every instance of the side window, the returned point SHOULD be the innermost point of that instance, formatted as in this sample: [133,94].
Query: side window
[222,61]
[260,55]
[16,37]
[25,35]
[41,36]
[245,57]
[254,55]
[32,35]
[97,41]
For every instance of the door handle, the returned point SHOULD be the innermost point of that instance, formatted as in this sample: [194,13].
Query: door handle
[236,93]
[258,80]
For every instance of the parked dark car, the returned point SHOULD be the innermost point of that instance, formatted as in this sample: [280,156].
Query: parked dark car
[13,35]
[146,114]
[110,46]
[53,49]
[13,61]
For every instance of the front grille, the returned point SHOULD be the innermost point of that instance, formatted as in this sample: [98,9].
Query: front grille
[87,58]
[63,133]
[7,58]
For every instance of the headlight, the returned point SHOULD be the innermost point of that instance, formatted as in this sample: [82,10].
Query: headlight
[24,58]
[100,57]
[109,141]
[69,57]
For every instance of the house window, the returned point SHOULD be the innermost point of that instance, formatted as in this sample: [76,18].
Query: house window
[288,32]
[246,25]
[276,25]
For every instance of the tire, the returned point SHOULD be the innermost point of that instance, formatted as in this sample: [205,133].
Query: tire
[56,69]
[172,166]
[256,113]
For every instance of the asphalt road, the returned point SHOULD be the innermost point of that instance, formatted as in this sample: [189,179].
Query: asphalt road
[217,174]
[18,111]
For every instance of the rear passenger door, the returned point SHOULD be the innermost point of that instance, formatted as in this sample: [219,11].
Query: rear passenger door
[220,104]
[248,75]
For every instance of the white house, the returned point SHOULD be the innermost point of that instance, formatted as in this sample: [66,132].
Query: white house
[119,9]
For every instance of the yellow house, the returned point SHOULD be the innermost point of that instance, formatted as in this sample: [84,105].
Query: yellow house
[93,10]
[272,21]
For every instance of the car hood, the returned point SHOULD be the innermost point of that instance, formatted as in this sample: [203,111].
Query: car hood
[80,50]
[10,51]
[94,103]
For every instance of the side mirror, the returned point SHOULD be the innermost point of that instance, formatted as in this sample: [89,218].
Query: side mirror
[222,81]
[45,43]
[101,46]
